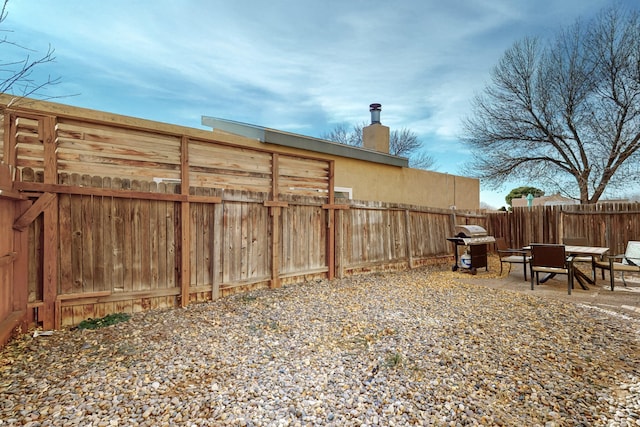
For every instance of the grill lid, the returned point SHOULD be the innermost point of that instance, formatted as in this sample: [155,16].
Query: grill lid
[477,240]
[470,231]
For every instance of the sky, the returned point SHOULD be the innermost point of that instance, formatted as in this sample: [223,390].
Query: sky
[299,66]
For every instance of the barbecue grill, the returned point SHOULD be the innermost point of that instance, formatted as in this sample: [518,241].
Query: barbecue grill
[475,238]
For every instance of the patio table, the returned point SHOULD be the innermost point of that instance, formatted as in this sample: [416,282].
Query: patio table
[573,251]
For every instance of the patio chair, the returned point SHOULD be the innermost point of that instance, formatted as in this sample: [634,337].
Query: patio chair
[629,261]
[551,259]
[511,256]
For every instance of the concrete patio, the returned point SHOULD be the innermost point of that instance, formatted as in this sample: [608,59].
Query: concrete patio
[623,300]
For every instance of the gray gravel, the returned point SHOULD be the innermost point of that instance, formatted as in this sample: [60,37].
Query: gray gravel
[396,349]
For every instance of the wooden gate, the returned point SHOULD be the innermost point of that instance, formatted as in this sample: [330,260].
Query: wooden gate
[13,257]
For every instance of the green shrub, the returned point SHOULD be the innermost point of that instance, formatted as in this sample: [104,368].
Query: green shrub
[108,320]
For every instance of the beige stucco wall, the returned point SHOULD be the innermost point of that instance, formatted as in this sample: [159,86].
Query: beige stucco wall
[406,185]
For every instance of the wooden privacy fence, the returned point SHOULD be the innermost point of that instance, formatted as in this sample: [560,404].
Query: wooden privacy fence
[609,225]
[120,253]
[103,216]
[100,215]
[124,254]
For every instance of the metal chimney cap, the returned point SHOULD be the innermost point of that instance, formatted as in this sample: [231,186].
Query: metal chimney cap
[375,113]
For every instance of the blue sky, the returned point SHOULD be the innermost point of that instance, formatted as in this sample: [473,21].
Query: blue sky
[296,65]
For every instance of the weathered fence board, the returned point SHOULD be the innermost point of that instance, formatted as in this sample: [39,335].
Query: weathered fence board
[109,244]
[374,235]
[304,239]
[229,167]
[303,177]
[429,232]
[607,224]
[245,243]
[110,151]
[29,150]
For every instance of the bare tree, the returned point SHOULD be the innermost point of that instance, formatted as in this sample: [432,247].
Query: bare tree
[16,76]
[403,142]
[422,160]
[565,115]
[345,134]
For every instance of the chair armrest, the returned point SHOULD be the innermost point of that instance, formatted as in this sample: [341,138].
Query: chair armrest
[512,251]
[622,257]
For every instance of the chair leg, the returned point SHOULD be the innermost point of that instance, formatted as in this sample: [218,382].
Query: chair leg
[623,281]
[611,277]
[532,273]
[611,273]
[570,280]
[500,268]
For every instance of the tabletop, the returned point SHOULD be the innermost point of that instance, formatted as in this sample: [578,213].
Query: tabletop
[586,250]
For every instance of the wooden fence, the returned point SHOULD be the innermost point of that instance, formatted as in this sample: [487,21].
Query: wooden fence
[121,254]
[12,306]
[609,225]
[100,216]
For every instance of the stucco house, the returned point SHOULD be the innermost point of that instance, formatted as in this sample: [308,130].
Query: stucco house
[552,200]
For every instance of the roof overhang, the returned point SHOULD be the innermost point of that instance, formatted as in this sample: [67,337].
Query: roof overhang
[302,142]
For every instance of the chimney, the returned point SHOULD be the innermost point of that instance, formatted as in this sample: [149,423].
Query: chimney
[376,136]
[375,113]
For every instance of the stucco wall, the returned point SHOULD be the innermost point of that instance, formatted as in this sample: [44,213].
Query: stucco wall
[406,185]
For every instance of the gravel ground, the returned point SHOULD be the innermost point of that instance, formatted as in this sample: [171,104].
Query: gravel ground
[396,349]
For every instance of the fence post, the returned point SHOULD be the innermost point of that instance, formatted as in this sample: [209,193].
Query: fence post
[275,246]
[185,261]
[185,230]
[21,264]
[408,234]
[51,235]
[50,267]
[331,236]
[339,241]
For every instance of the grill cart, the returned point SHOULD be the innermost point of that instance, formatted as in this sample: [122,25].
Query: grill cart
[475,239]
